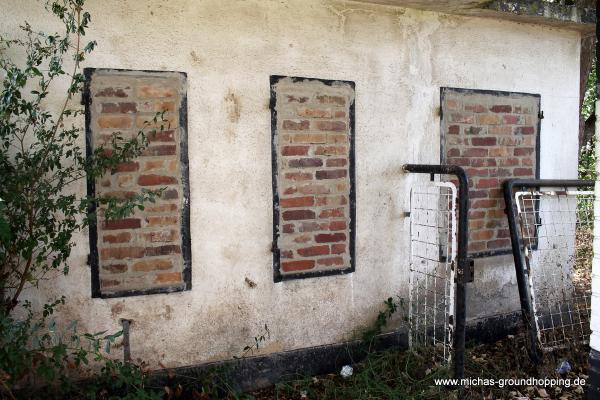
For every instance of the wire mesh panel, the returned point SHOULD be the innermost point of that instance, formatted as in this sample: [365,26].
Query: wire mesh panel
[556,229]
[433,252]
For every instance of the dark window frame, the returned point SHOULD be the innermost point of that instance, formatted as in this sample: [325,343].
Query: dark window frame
[186,247]
[499,93]
[278,276]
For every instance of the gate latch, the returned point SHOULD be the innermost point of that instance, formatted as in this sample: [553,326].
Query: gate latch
[469,269]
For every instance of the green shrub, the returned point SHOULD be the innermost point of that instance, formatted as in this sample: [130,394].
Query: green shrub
[41,158]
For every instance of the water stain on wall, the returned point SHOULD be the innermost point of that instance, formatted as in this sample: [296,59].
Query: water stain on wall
[231,253]
[168,312]
[233,107]
[196,59]
[117,309]
[233,110]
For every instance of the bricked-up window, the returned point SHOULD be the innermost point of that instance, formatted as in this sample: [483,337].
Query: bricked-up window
[313,177]
[149,251]
[494,136]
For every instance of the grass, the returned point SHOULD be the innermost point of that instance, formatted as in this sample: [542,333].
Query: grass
[395,374]
[384,375]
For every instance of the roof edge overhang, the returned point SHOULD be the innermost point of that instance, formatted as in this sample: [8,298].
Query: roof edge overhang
[540,12]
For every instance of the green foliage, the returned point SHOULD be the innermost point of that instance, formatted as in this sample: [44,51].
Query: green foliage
[587,153]
[42,161]
[587,161]
[585,210]
[589,101]
[118,380]
[35,352]
[42,156]
[4,227]
[391,374]
[369,335]
[399,374]
[258,340]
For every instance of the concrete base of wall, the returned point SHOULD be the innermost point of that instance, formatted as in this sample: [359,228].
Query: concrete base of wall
[593,383]
[262,371]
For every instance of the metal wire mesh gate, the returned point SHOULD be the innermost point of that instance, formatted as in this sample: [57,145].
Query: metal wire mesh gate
[433,256]
[438,265]
[551,233]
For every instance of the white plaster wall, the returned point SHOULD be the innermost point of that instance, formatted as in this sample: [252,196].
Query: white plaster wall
[398,58]
[595,319]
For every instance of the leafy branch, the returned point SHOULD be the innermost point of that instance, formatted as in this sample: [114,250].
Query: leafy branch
[42,163]
[41,157]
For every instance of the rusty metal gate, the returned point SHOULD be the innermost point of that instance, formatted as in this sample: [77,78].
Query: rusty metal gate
[551,225]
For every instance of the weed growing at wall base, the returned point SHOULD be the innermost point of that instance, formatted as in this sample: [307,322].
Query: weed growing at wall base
[262,337]
[370,334]
[398,374]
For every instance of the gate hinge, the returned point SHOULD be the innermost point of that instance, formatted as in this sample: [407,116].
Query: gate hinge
[541,114]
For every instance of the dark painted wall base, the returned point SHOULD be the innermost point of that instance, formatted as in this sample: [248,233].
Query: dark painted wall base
[494,328]
[262,371]
[593,383]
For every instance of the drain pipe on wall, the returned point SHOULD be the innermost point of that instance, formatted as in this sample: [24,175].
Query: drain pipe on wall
[125,324]
[593,384]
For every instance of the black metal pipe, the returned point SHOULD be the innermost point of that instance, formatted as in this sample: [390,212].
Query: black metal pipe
[536,183]
[517,248]
[462,258]
[519,260]
[126,323]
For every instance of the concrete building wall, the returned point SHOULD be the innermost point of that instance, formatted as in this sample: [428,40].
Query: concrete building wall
[595,321]
[398,59]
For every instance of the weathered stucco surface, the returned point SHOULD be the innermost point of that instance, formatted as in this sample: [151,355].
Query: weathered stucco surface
[398,58]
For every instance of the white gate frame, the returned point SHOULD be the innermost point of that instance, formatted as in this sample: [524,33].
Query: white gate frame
[445,238]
